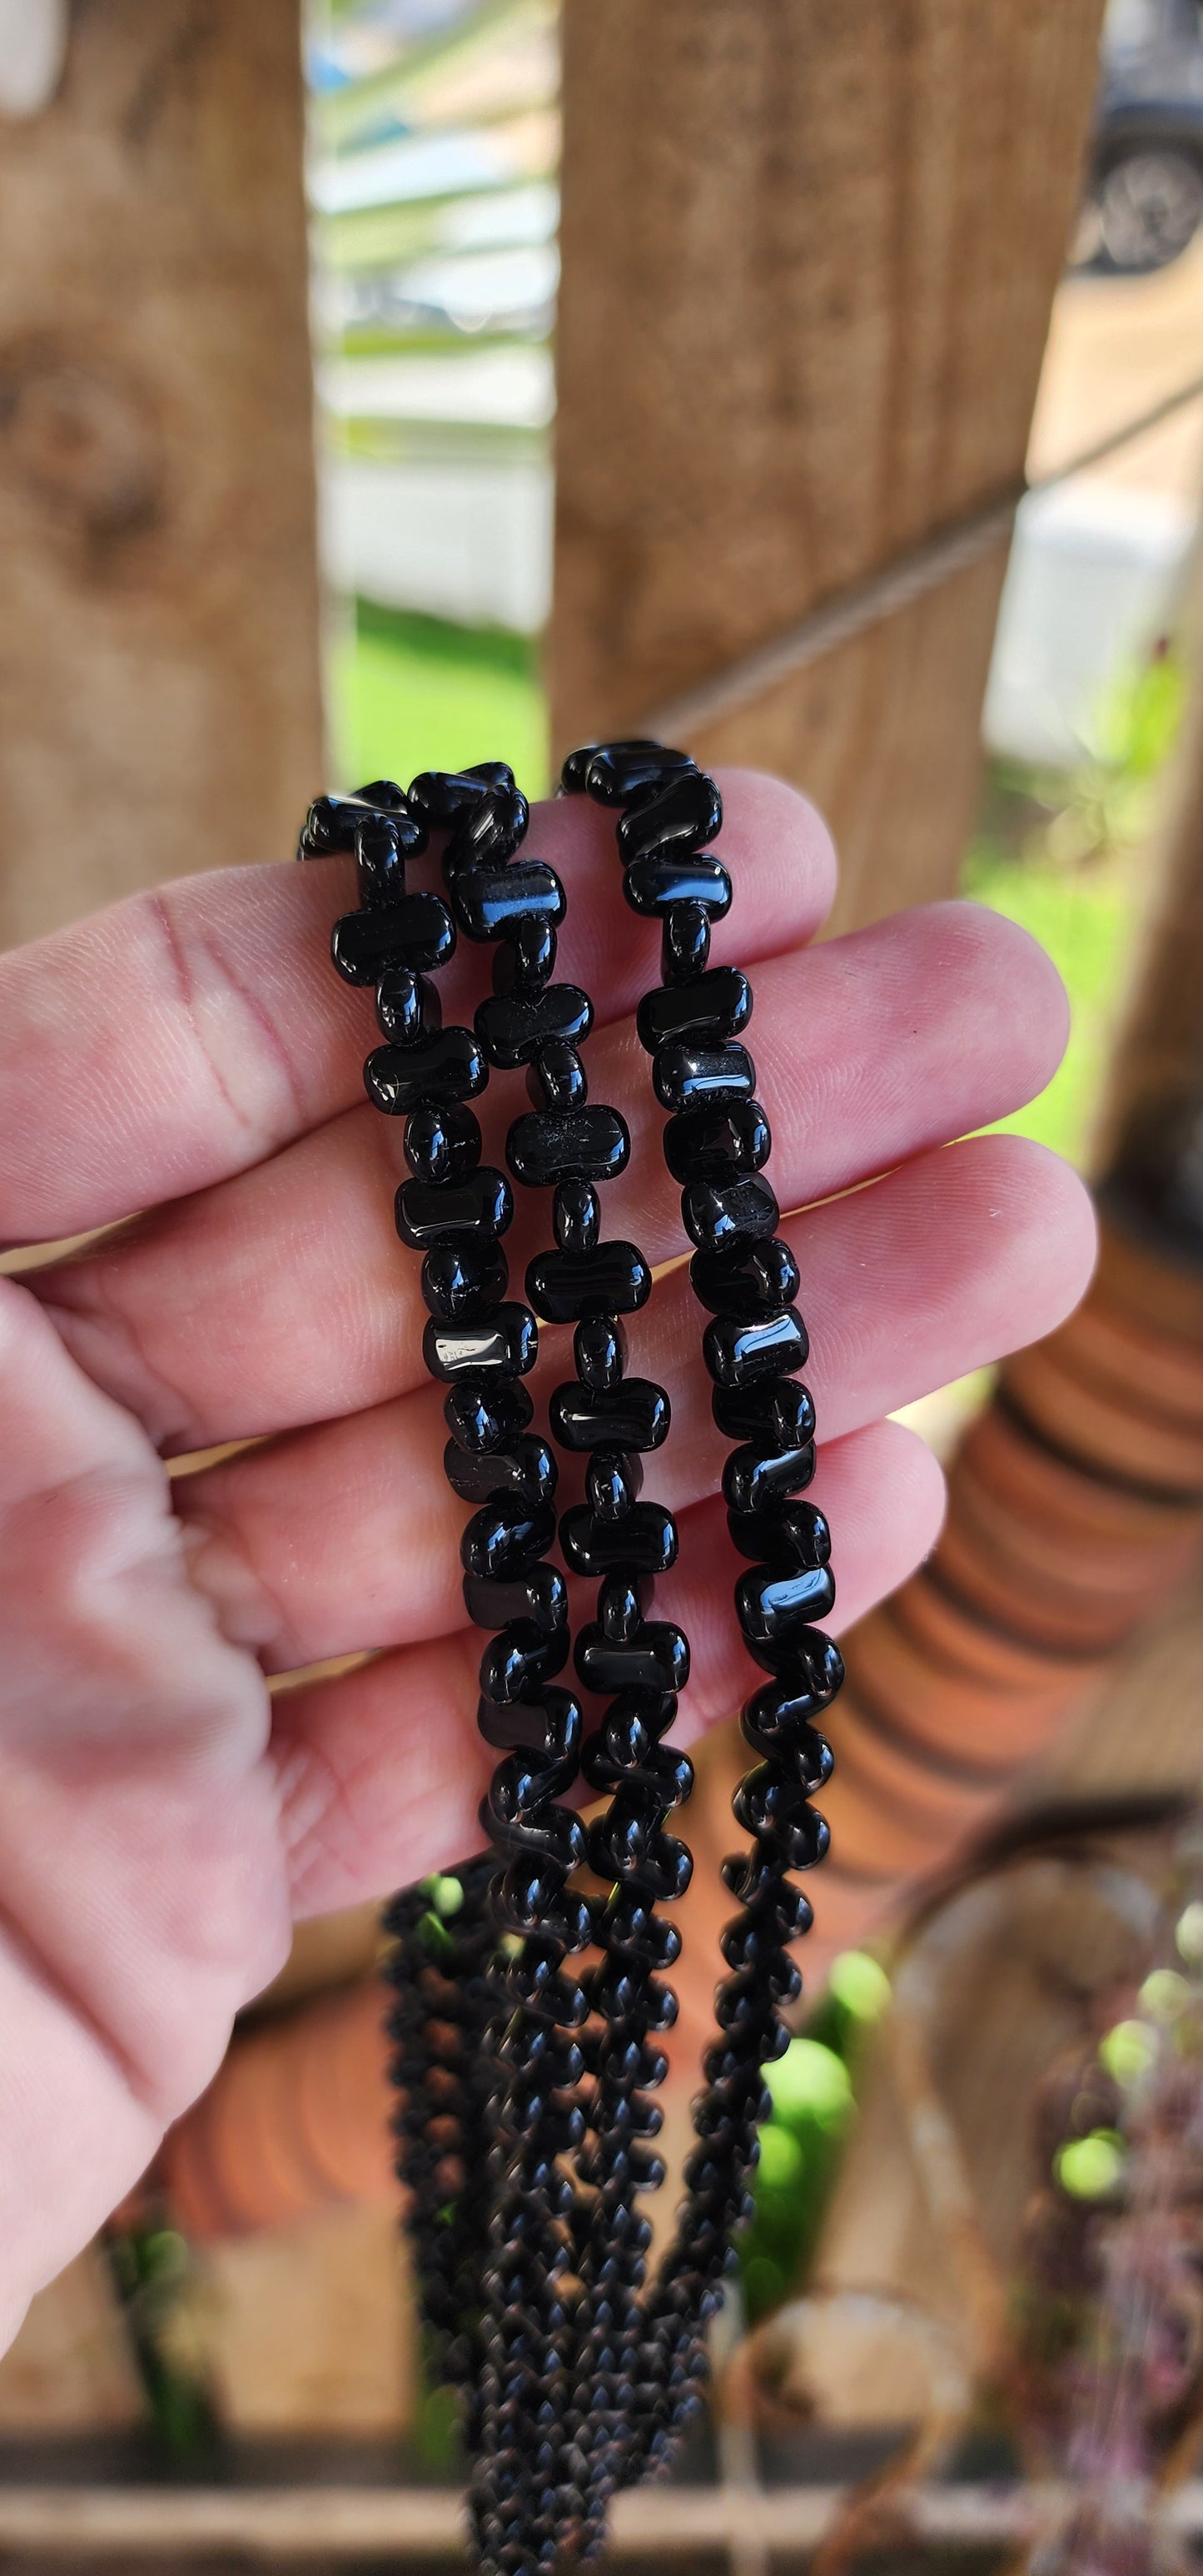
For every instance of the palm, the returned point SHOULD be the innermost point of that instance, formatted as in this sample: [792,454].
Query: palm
[162,1816]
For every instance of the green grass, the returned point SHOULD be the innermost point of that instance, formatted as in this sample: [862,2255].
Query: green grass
[1083,917]
[409,693]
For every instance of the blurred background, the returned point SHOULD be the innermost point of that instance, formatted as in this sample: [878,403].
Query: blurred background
[394,383]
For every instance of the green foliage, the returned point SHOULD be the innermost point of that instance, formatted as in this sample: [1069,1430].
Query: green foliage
[410,692]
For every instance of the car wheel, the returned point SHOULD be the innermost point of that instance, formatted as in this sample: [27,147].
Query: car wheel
[1149,207]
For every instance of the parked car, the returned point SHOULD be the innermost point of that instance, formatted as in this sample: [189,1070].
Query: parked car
[1144,200]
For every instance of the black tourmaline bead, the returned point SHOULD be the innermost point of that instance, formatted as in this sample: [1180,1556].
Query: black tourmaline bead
[441,794]
[685,944]
[488,833]
[720,1215]
[490,900]
[441,1141]
[482,1205]
[505,1345]
[793,1535]
[525,960]
[380,860]
[614,1279]
[556,1078]
[385,794]
[656,1660]
[540,1596]
[757,1278]
[683,817]
[715,1144]
[806,1685]
[448,1067]
[613,1481]
[688,1076]
[632,1415]
[462,1278]
[513,1026]
[574,1145]
[771,1607]
[575,769]
[714,1006]
[738,1354]
[407,1007]
[653,885]
[418,931]
[644,1541]
[487,1416]
[525,1466]
[532,1726]
[755,1478]
[779,1412]
[627,773]
[507,1537]
[576,1216]
[517,1667]
[600,1351]
[621,1606]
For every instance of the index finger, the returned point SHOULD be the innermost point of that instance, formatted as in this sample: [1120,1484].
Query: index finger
[195,1029]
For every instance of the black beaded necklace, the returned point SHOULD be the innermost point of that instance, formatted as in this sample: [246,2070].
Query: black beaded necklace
[526,2089]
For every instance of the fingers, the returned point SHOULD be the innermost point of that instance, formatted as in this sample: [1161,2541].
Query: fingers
[381,1770]
[283,1296]
[345,1537]
[191,1031]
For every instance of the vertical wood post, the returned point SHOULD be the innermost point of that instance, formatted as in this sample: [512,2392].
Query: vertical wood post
[159,700]
[810,248]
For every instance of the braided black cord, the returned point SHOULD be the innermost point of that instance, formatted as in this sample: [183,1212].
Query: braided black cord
[716,1142]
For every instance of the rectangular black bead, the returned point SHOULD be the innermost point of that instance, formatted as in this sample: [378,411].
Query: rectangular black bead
[482,1203]
[624,773]
[772,1607]
[652,885]
[656,1660]
[686,1075]
[633,1415]
[448,1066]
[482,1476]
[751,1278]
[709,1008]
[613,1279]
[644,1540]
[717,1144]
[684,816]
[720,1216]
[755,1476]
[417,932]
[513,1026]
[488,900]
[779,1412]
[739,1354]
[506,1345]
[790,1535]
[551,1145]
[540,1596]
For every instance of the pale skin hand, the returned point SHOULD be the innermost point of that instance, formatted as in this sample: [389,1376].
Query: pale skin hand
[191,1055]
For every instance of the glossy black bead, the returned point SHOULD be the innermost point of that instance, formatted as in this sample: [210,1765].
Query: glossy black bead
[739,1354]
[688,1076]
[418,931]
[540,1597]
[576,1217]
[754,1477]
[517,1666]
[708,1009]
[749,1279]
[656,1660]
[440,794]
[720,1215]
[653,885]
[557,1079]
[462,1278]
[685,944]
[506,1345]
[779,1412]
[481,1205]
[644,1541]
[441,1141]
[548,1146]
[507,1537]
[525,959]
[613,1479]
[575,768]
[772,1606]
[599,1347]
[790,1536]
[550,1724]
[716,1144]
[804,1687]
[633,1415]
[513,1026]
[628,773]
[449,1066]
[488,901]
[526,1466]
[380,860]
[614,1279]
[407,1007]
[487,833]
[388,798]
[684,816]
[484,1415]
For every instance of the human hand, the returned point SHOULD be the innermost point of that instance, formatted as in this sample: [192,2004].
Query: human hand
[191,1055]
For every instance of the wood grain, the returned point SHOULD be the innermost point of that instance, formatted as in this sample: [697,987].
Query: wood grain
[809,253]
[159,705]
